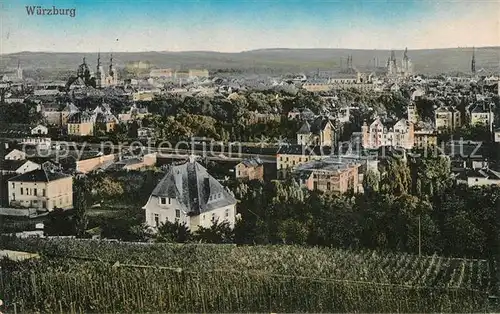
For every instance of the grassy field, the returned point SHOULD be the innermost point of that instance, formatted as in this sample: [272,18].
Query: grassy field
[97,276]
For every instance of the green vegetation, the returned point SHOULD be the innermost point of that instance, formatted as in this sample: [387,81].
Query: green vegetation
[93,276]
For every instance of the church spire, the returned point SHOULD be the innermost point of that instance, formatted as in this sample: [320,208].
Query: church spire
[111,73]
[405,55]
[98,71]
[473,61]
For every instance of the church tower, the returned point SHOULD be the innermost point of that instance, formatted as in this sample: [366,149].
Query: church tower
[112,78]
[19,71]
[473,61]
[98,75]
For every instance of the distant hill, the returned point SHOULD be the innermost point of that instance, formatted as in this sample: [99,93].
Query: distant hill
[429,61]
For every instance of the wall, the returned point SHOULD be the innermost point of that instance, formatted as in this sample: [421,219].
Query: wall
[90,164]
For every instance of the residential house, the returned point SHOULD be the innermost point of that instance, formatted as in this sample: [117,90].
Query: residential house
[17,166]
[39,130]
[15,154]
[189,194]
[478,177]
[250,169]
[330,175]
[56,116]
[81,124]
[134,113]
[290,156]
[447,118]
[412,113]
[104,120]
[319,132]
[425,138]
[145,133]
[401,134]
[41,189]
[481,115]
[23,133]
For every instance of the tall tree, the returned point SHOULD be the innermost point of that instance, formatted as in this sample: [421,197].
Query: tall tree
[81,199]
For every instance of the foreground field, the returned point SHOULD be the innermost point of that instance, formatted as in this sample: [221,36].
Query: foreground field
[94,276]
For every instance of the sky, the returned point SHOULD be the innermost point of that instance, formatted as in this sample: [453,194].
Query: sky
[240,25]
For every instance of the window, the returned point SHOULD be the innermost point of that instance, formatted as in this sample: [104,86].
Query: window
[169,201]
[156,218]
[21,191]
[163,200]
[13,196]
[177,213]
[43,192]
[35,192]
[227,212]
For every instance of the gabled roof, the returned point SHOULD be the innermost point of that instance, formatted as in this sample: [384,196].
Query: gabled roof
[194,188]
[39,175]
[442,108]
[319,124]
[80,117]
[305,128]
[479,108]
[71,108]
[252,162]
[12,165]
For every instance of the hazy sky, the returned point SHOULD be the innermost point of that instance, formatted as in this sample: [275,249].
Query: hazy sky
[237,25]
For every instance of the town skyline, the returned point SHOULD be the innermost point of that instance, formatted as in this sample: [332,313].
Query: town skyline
[223,26]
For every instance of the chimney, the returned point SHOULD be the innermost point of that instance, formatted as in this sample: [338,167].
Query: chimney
[206,186]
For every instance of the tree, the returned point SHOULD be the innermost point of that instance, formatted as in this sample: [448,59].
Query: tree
[107,188]
[59,223]
[217,233]
[81,197]
[173,232]
[371,181]
[396,179]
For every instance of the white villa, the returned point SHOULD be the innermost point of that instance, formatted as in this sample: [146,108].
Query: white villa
[189,194]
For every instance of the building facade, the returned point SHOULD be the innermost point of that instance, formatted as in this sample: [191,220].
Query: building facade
[401,134]
[250,169]
[189,194]
[329,175]
[447,118]
[41,189]
[318,132]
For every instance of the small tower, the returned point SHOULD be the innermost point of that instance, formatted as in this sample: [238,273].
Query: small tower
[473,61]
